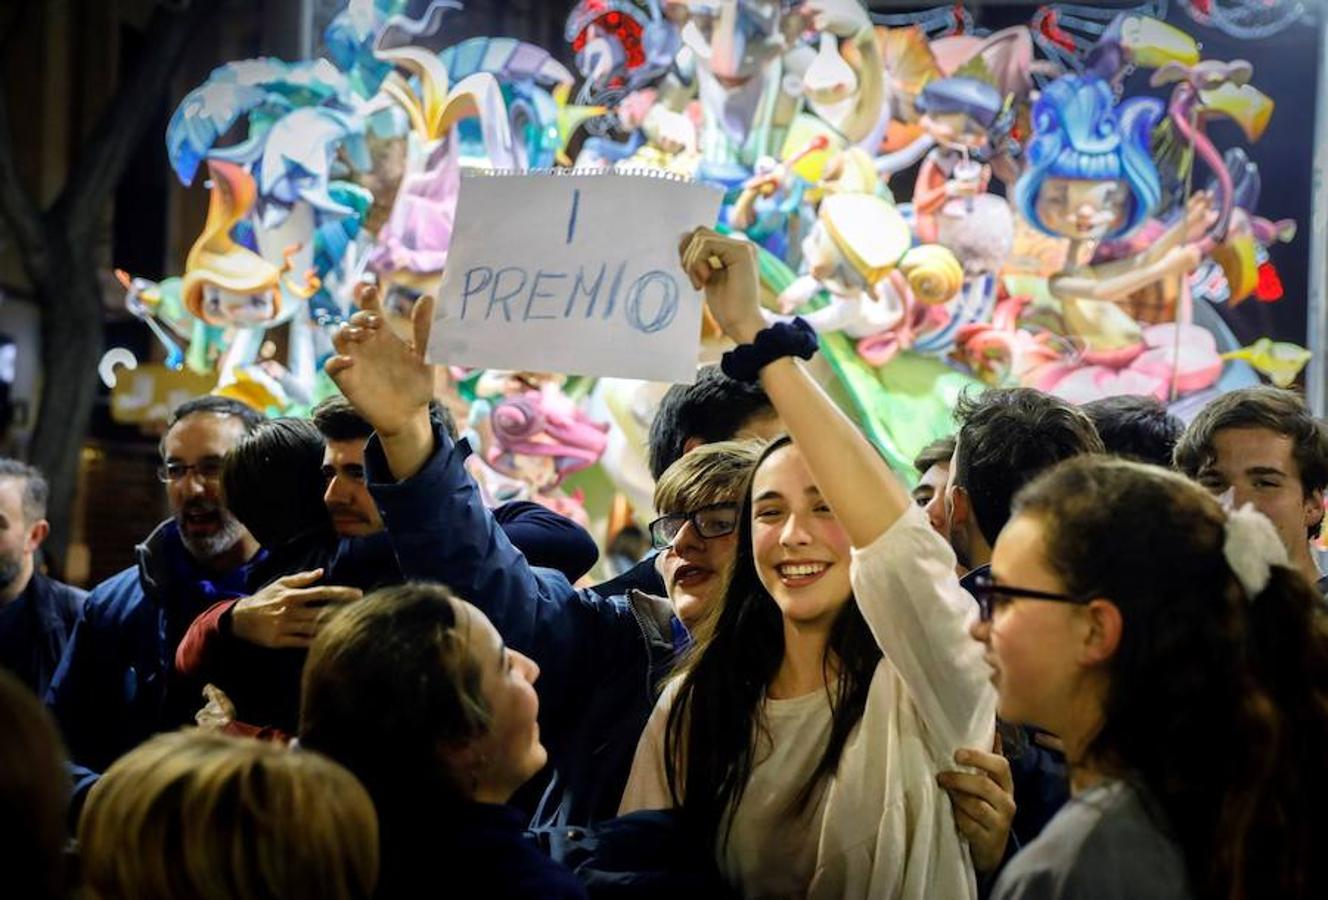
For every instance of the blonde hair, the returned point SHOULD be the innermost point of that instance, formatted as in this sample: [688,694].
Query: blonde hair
[204,815]
[712,473]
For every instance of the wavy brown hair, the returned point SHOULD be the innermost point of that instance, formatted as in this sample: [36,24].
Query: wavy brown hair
[713,725]
[1218,702]
[389,681]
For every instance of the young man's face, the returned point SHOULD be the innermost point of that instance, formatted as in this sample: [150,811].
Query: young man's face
[1258,467]
[929,493]
[348,501]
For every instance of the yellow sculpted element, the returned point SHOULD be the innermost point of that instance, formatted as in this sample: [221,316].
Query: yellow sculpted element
[223,281]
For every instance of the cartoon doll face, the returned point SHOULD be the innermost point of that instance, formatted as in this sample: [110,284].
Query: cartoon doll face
[955,129]
[1089,174]
[827,264]
[223,306]
[1083,209]
[958,112]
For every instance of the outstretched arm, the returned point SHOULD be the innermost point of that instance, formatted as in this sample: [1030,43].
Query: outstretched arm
[852,476]
[439,527]
[1118,286]
[904,581]
[387,380]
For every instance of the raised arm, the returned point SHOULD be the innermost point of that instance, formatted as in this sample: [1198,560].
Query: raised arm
[387,380]
[440,529]
[904,581]
[852,476]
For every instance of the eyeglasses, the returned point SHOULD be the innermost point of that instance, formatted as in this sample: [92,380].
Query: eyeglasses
[986,590]
[714,521]
[208,470]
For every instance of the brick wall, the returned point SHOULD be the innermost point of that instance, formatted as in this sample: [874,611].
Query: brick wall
[119,502]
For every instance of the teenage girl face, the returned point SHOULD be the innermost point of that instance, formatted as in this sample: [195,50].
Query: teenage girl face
[1030,643]
[800,549]
[510,753]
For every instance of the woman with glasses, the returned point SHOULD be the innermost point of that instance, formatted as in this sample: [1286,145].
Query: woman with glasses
[1184,666]
[803,735]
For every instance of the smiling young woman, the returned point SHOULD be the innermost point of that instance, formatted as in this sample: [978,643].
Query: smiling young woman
[835,679]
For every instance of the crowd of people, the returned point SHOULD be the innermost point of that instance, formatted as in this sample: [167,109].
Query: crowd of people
[1085,657]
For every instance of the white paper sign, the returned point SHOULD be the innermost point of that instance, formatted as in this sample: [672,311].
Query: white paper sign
[573,273]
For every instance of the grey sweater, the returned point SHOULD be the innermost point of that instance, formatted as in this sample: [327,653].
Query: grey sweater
[1102,845]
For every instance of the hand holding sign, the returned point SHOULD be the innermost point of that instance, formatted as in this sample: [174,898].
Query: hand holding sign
[726,268]
[386,379]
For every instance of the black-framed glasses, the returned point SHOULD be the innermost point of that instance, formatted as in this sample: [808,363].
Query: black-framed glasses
[208,469]
[986,590]
[714,521]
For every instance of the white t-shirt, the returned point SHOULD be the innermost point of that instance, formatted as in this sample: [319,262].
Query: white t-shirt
[771,851]
[886,830]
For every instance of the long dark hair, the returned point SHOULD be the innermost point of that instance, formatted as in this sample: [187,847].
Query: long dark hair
[1218,702]
[713,725]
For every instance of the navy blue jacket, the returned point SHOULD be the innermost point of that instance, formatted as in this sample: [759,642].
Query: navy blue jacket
[601,658]
[114,686]
[451,849]
[263,683]
[34,628]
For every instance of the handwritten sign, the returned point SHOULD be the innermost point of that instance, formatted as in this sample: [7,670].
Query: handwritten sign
[572,273]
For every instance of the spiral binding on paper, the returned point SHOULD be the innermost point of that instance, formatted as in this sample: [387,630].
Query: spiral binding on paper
[661,174]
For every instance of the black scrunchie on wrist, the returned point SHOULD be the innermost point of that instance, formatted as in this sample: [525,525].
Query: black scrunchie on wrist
[745,361]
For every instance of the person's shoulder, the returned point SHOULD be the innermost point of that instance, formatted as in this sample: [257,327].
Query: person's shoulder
[61,600]
[117,593]
[642,577]
[514,509]
[1103,845]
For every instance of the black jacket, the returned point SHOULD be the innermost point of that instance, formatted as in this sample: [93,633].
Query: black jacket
[34,628]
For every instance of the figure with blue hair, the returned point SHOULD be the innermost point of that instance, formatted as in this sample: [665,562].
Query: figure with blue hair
[1090,178]
[1089,174]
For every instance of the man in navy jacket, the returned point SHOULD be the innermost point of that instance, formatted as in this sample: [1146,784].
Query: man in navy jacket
[275,481]
[37,614]
[113,687]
